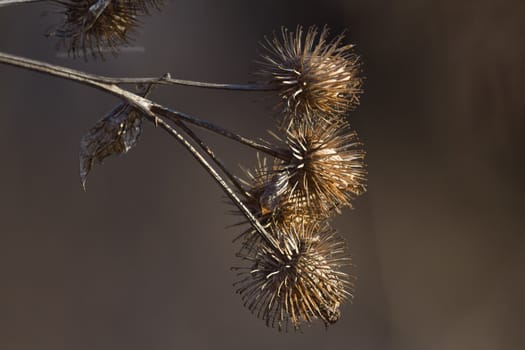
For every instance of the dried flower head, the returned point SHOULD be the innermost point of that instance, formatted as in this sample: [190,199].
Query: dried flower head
[312,73]
[91,27]
[324,171]
[265,190]
[326,168]
[301,283]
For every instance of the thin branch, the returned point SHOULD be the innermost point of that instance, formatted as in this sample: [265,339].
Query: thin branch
[57,71]
[17,2]
[212,155]
[229,192]
[165,80]
[110,85]
[175,115]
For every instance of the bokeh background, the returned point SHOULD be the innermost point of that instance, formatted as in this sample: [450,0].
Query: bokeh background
[142,259]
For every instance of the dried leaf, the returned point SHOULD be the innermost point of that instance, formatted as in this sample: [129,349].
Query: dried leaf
[114,134]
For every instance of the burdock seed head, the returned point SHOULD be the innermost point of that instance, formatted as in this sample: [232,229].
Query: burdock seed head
[326,167]
[302,283]
[91,27]
[311,73]
[262,196]
[324,171]
[265,190]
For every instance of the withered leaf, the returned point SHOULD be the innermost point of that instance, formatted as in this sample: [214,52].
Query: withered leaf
[114,134]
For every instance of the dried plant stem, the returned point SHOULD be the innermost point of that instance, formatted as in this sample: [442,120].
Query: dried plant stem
[146,107]
[229,192]
[16,2]
[167,80]
[164,80]
[175,115]
[109,84]
[212,155]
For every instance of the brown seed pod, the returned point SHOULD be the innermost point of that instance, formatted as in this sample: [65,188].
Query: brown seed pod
[265,190]
[311,73]
[326,168]
[324,172]
[302,283]
[91,27]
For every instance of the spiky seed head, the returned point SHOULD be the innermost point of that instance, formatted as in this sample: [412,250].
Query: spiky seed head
[265,190]
[264,187]
[302,283]
[324,172]
[311,73]
[91,27]
[326,169]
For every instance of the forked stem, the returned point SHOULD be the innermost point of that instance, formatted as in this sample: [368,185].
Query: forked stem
[164,80]
[147,107]
[212,155]
[229,192]
[176,115]
[110,85]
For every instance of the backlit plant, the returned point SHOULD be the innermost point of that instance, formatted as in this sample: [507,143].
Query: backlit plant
[292,268]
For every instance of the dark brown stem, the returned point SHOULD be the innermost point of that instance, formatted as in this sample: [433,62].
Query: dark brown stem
[212,155]
[175,115]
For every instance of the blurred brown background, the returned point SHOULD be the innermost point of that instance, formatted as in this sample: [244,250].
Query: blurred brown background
[142,259]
